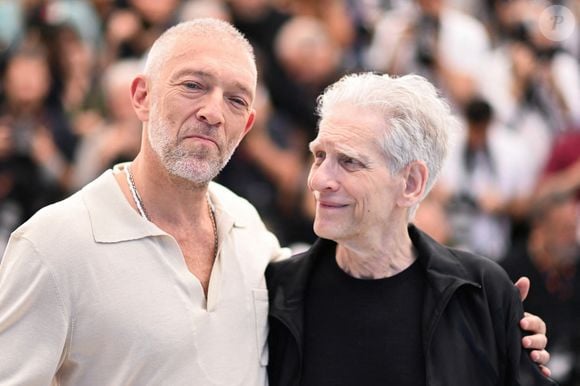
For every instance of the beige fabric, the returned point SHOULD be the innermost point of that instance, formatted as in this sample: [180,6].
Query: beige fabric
[93,294]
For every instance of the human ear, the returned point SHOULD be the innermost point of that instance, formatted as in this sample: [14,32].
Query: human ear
[140,97]
[250,122]
[415,177]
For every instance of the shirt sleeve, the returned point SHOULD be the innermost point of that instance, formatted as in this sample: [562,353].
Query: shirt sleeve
[280,253]
[33,319]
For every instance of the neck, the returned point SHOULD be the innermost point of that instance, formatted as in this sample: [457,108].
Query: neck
[168,199]
[385,258]
[178,209]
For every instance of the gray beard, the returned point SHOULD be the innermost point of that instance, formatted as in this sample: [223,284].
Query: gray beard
[197,166]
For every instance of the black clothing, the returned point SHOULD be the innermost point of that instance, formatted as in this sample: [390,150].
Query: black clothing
[469,319]
[556,300]
[349,341]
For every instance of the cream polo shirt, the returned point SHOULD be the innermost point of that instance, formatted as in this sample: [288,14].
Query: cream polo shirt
[93,294]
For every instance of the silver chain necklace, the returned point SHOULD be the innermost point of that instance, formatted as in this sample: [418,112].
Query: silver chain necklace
[136,197]
[141,207]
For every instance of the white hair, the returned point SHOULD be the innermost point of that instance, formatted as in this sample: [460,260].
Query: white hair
[203,27]
[418,121]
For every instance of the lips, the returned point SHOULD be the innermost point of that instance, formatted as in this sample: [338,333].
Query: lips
[330,204]
[202,138]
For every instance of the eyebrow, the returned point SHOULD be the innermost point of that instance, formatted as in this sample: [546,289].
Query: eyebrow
[353,153]
[345,150]
[208,76]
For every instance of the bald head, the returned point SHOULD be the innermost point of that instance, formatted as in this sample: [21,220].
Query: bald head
[205,28]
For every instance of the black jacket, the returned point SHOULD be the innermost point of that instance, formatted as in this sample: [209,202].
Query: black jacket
[470,319]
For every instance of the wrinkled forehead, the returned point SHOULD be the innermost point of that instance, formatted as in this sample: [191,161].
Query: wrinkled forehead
[219,44]
[351,122]
[199,43]
[225,61]
[350,129]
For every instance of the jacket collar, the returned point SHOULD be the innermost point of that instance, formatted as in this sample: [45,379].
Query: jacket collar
[444,271]
[287,297]
[292,275]
[443,267]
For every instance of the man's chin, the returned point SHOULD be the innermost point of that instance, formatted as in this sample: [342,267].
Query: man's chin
[198,174]
[325,231]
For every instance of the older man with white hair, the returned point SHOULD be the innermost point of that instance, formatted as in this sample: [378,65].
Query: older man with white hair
[376,301]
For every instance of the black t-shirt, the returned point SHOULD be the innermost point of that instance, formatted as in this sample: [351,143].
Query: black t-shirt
[363,332]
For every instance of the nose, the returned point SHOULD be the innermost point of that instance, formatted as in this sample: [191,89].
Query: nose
[211,109]
[322,178]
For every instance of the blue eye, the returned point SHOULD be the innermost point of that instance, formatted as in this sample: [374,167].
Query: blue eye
[192,86]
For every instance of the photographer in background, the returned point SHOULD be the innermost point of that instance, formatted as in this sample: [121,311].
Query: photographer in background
[484,182]
[23,190]
[41,129]
[532,83]
[550,257]
[430,38]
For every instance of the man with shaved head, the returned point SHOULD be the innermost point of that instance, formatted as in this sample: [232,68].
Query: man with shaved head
[151,274]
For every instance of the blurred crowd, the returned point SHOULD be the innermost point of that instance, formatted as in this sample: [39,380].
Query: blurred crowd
[511,185]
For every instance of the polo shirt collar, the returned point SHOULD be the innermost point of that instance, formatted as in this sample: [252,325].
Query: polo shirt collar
[112,217]
[114,220]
